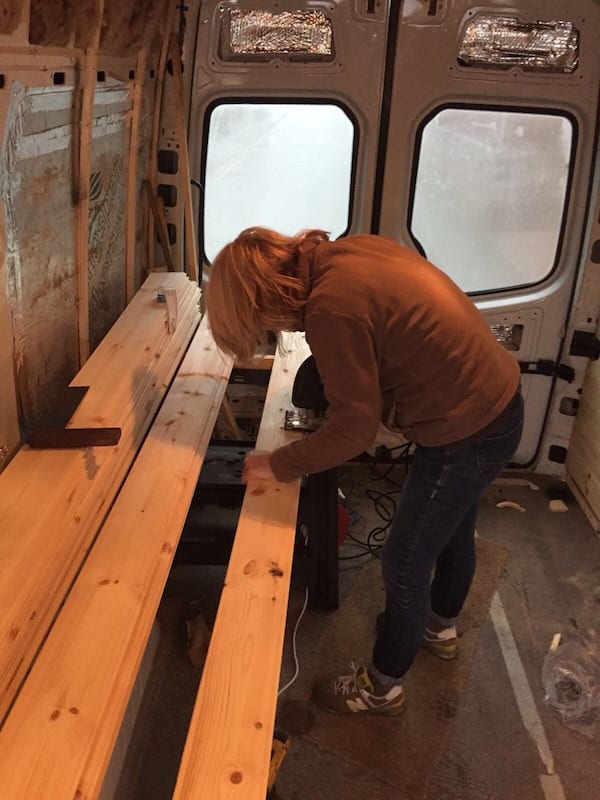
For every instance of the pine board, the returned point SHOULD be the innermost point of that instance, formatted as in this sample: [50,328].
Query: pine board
[53,502]
[67,716]
[191,250]
[132,172]
[228,749]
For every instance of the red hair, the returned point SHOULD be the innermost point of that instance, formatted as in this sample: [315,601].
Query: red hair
[253,288]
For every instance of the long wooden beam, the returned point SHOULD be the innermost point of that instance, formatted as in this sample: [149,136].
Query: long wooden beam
[228,749]
[158,96]
[87,90]
[137,102]
[67,716]
[191,247]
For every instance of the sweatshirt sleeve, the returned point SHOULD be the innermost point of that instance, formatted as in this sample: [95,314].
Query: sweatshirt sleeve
[346,357]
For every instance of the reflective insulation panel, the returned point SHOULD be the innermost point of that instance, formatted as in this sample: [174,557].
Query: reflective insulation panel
[260,35]
[508,335]
[499,41]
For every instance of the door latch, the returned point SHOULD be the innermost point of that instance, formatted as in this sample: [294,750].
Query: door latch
[545,366]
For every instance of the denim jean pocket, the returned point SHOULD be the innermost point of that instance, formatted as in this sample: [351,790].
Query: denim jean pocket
[496,449]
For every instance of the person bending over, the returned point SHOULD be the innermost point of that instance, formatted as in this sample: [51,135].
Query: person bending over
[394,340]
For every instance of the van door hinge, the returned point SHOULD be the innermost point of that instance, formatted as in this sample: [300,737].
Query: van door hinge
[586,344]
[545,366]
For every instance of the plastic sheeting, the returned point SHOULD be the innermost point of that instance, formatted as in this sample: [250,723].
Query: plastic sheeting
[37,184]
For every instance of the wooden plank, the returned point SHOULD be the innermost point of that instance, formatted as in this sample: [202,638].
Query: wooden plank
[30,57]
[232,423]
[132,173]
[158,215]
[259,362]
[87,90]
[158,94]
[52,502]
[67,716]
[191,249]
[228,749]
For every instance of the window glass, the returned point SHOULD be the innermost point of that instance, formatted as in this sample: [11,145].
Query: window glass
[282,166]
[489,195]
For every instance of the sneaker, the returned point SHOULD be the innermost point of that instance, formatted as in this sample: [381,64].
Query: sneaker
[443,644]
[355,694]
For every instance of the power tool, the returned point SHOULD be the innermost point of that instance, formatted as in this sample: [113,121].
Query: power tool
[308,399]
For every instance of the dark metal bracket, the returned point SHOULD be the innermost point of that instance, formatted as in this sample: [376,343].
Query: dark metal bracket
[545,366]
[586,344]
[54,433]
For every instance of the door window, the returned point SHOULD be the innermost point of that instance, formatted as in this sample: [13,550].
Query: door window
[490,194]
[286,166]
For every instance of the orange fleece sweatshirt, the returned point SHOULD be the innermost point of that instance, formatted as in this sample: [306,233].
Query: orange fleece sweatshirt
[394,339]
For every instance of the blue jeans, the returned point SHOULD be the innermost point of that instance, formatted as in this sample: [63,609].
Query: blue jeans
[434,529]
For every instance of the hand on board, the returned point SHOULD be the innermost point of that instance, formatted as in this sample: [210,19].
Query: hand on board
[257,466]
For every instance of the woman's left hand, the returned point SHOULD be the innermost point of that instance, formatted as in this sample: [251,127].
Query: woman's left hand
[257,466]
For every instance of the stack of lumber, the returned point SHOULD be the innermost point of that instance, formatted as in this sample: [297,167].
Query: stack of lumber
[228,749]
[66,718]
[53,502]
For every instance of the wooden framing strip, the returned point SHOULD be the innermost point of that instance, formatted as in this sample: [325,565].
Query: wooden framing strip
[132,173]
[158,215]
[67,716]
[158,95]
[52,502]
[228,749]
[191,248]
[87,77]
